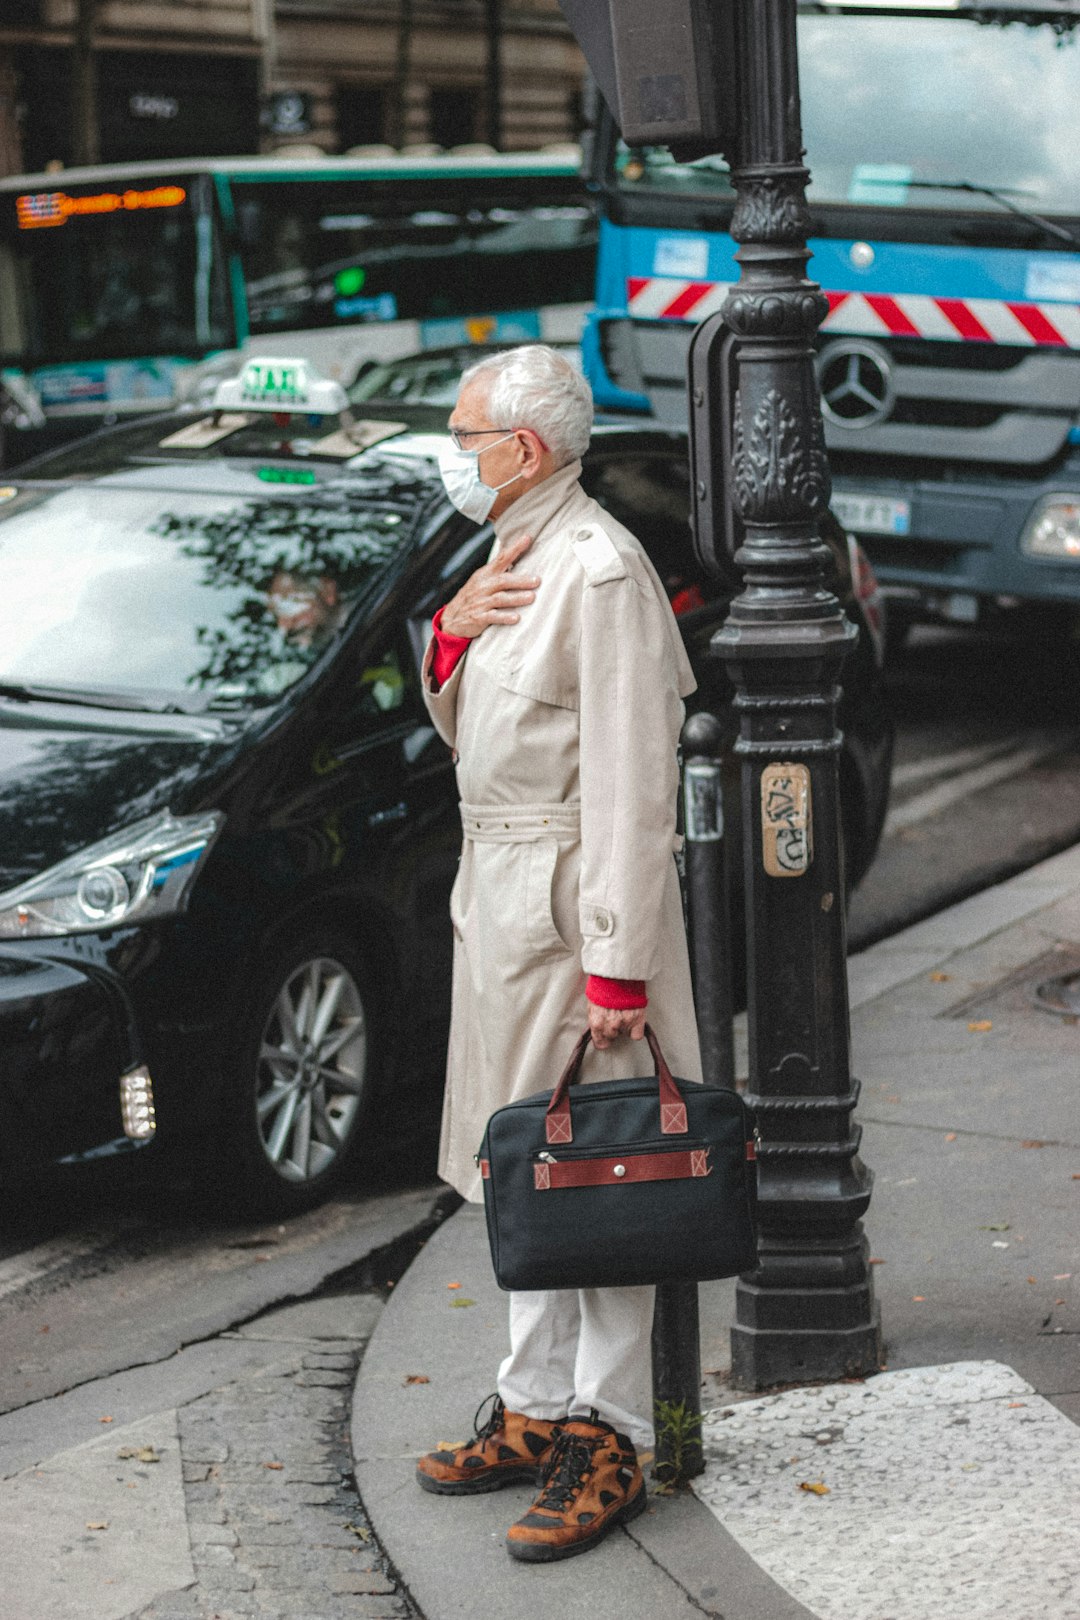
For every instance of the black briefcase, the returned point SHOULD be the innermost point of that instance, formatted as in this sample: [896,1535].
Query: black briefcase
[646,1180]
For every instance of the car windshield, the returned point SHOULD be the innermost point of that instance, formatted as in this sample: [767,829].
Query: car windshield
[430,378]
[876,121]
[423,379]
[203,600]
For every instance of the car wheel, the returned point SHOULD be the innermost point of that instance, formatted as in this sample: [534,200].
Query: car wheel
[304,1072]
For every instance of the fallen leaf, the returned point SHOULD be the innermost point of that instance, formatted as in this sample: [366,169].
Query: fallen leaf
[97,1524]
[1033,1142]
[1014,1404]
[360,1531]
[451,1445]
[145,1454]
[815,1486]
[877,1262]
[1076,1175]
[416,1378]
[979,1026]
[970,1468]
[44,1328]
[918,1299]
[1059,1302]
[453,1285]
[892,1099]
[461,1304]
[999,1226]
[1031,1279]
[105,1420]
[950,1136]
[940,978]
[277,1467]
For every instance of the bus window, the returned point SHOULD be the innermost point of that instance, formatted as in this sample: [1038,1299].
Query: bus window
[113,272]
[321,253]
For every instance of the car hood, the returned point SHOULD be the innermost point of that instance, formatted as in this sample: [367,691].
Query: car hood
[69,777]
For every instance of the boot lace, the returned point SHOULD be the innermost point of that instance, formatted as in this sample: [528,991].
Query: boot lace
[494,1420]
[568,1466]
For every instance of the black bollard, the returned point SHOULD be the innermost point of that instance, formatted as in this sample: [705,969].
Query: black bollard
[676,1346]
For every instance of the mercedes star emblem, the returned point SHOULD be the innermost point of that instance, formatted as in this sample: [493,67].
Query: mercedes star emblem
[857,388]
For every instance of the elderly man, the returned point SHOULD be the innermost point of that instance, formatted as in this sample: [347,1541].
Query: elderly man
[557,675]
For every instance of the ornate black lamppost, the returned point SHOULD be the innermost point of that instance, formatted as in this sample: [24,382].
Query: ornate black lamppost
[808,1311]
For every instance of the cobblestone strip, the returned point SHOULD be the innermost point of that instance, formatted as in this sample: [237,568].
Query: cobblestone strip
[277,1529]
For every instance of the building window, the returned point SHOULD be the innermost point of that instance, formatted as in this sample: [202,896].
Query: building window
[454,115]
[361,115]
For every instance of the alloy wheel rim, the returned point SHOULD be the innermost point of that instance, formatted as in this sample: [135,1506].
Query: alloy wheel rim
[312,1069]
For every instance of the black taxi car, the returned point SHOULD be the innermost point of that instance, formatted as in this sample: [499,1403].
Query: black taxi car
[228,831]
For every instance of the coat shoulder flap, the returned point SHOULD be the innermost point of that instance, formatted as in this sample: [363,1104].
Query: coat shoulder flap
[597,553]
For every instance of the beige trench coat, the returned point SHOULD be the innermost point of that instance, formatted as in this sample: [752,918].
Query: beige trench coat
[564,728]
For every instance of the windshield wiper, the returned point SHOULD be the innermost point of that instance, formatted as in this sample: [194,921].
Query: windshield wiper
[1000,197]
[90,697]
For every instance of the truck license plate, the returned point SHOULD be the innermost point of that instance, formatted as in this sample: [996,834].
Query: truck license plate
[872,514]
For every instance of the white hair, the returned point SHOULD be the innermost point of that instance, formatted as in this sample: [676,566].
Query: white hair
[537,387]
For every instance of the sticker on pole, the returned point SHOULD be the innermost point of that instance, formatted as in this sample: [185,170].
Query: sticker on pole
[703,797]
[786,830]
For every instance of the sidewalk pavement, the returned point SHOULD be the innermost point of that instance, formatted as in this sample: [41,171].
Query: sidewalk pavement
[949,1485]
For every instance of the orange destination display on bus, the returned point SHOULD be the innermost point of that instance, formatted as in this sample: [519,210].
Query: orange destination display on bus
[40,208]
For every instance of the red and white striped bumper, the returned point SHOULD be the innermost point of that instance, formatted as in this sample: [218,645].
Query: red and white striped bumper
[971,320]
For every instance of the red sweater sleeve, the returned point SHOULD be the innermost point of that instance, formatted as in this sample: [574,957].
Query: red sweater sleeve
[618,994]
[449,650]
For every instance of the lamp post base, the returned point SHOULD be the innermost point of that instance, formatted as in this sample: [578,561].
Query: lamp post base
[762,1358]
[808,1313]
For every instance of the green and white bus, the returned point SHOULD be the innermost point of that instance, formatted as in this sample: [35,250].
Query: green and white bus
[116,280]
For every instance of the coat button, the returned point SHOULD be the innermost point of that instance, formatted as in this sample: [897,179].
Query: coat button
[619,1170]
[603,923]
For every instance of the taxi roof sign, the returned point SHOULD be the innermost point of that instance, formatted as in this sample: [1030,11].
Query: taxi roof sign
[272,384]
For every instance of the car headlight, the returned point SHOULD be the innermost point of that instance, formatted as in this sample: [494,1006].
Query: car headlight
[1053,529]
[143,872]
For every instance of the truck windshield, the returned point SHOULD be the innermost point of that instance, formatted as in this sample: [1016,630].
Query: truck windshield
[113,271]
[890,101]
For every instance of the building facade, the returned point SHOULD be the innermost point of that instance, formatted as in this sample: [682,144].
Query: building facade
[121,80]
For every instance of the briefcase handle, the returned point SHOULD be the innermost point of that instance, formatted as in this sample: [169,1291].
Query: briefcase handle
[558,1124]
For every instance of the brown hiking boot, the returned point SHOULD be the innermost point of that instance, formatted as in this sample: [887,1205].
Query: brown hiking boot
[508,1448]
[591,1482]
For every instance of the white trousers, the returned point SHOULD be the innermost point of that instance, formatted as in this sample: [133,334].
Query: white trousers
[571,1350]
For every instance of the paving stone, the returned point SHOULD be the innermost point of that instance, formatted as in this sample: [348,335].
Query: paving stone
[209,1556]
[212,1535]
[361,1582]
[205,1451]
[227,1580]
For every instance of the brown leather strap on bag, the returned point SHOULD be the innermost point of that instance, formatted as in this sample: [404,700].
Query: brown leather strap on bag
[558,1124]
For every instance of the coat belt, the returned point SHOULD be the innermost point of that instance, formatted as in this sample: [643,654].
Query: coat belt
[521,823]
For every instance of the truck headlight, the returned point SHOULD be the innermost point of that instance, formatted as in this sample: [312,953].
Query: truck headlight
[145,871]
[1053,529]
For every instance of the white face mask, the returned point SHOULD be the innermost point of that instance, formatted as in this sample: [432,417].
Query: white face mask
[460,471]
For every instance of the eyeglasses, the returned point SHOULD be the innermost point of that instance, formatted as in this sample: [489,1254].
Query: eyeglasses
[457,434]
